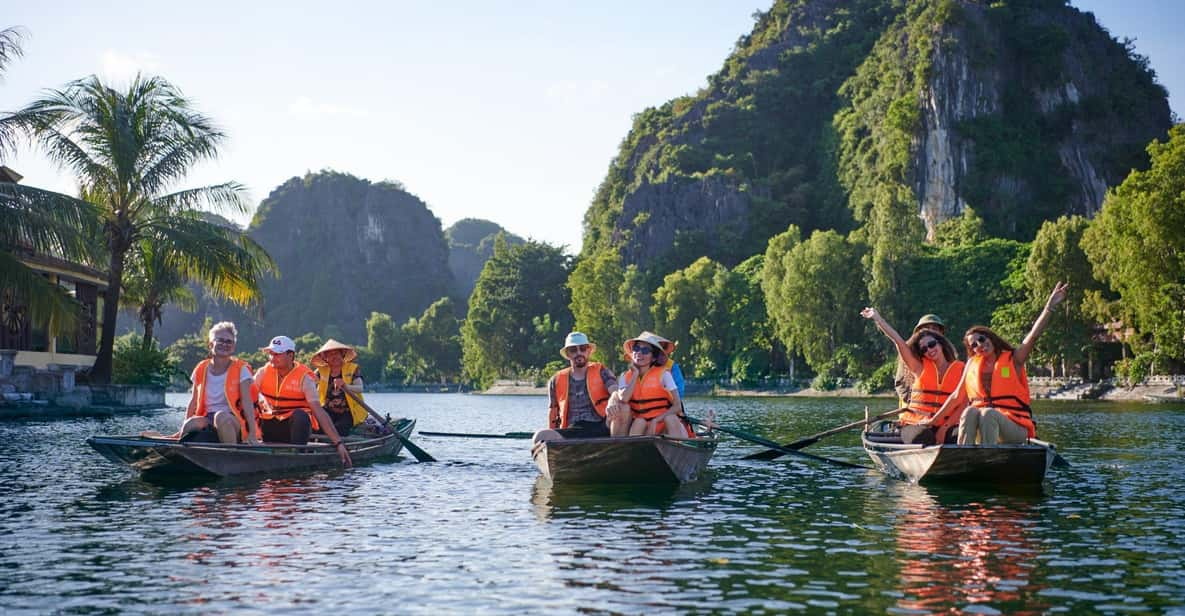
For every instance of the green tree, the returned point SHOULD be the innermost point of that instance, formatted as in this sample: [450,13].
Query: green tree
[128,150]
[1137,245]
[773,280]
[751,348]
[684,311]
[596,285]
[517,285]
[230,265]
[966,230]
[430,345]
[1056,255]
[820,287]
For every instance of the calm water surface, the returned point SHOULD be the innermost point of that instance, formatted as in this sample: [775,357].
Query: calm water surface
[480,532]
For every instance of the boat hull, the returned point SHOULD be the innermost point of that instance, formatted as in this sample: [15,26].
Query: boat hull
[631,459]
[163,458]
[1024,464]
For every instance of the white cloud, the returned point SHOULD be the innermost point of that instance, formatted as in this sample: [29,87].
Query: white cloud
[122,67]
[305,106]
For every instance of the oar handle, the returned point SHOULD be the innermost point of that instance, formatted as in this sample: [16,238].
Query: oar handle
[420,454]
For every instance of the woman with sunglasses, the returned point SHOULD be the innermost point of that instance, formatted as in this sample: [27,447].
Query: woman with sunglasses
[649,388]
[992,401]
[930,356]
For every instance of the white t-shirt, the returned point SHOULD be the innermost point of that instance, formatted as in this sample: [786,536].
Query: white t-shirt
[667,381]
[216,390]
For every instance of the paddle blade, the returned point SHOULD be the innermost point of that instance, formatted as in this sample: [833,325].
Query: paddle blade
[1060,462]
[774,454]
[420,454]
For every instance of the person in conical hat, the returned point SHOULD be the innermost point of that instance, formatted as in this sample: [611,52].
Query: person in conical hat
[336,371]
[649,388]
[581,396]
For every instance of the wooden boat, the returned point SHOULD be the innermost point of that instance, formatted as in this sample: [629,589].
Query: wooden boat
[162,458]
[1010,465]
[629,459]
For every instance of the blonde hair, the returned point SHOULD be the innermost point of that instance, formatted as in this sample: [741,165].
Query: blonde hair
[224,326]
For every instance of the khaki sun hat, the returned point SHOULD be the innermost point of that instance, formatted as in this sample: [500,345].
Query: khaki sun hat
[652,339]
[333,345]
[576,339]
[929,319]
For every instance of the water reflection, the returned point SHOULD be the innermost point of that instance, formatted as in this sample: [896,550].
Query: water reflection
[551,501]
[964,550]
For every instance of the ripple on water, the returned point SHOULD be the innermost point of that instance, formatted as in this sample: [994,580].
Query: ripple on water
[479,532]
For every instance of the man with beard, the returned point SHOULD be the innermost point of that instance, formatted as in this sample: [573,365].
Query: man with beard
[581,396]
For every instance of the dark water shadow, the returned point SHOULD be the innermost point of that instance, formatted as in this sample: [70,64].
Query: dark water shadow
[552,500]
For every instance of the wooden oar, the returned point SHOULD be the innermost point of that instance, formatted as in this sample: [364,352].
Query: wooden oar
[772,445]
[518,435]
[420,454]
[773,454]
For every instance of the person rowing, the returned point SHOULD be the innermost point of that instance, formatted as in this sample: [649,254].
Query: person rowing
[931,357]
[992,400]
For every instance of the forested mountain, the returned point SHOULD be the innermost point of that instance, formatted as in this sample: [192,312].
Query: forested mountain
[888,116]
[347,247]
[470,245]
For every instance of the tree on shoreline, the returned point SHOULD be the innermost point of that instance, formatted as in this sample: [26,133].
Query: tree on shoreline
[128,150]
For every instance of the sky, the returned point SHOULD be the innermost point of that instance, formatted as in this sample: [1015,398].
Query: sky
[508,111]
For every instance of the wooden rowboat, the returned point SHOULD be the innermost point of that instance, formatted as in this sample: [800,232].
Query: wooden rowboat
[629,459]
[164,458]
[1005,465]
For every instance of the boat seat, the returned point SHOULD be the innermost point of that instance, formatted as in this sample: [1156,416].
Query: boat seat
[892,438]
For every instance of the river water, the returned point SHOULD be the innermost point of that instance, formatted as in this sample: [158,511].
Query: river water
[479,531]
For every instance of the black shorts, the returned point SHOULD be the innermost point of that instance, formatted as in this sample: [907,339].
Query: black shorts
[585,429]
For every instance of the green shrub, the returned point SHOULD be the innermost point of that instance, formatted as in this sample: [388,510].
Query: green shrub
[880,380]
[133,365]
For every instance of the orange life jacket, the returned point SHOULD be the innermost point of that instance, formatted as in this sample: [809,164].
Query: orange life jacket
[596,392]
[1009,390]
[286,396]
[650,399]
[928,393]
[232,389]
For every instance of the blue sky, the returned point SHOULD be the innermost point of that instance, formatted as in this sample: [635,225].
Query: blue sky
[505,111]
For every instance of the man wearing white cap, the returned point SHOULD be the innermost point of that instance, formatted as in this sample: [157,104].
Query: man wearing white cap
[289,407]
[579,396]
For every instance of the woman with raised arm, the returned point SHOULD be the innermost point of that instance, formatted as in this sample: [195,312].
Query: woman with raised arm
[930,356]
[992,401]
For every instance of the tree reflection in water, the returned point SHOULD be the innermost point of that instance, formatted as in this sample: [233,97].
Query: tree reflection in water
[959,549]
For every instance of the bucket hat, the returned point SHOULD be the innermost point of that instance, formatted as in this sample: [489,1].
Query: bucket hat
[575,339]
[652,339]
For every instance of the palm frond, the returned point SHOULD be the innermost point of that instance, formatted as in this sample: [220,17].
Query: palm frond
[48,305]
[225,197]
[226,261]
[48,222]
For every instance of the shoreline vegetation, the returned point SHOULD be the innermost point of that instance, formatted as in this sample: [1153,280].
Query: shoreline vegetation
[1114,394]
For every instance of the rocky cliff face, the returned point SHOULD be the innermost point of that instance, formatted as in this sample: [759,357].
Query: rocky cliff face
[347,247]
[1042,76]
[1023,109]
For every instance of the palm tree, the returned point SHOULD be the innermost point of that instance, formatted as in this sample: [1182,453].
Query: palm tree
[34,220]
[128,150]
[227,262]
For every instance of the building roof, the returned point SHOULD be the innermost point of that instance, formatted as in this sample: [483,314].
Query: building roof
[8,175]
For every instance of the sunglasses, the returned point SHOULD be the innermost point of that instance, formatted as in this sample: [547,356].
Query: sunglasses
[583,348]
[926,346]
[224,341]
[978,341]
[644,349]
